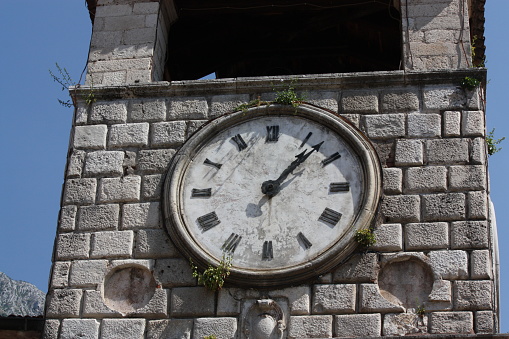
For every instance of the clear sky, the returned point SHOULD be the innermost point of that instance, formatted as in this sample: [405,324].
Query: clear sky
[34,128]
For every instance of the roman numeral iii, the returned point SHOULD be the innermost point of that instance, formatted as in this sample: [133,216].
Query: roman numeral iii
[201,192]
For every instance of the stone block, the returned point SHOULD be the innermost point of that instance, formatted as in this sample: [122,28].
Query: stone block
[371,301]
[220,327]
[359,268]
[472,124]
[358,325]
[101,40]
[385,126]
[60,274]
[451,322]
[143,76]
[151,186]
[401,208]
[354,119]
[126,135]
[157,306]
[484,322]
[109,112]
[389,237]
[298,298]
[104,163]
[467,177]
[145,8]
[327,100]
[75,165]
[94,307]
[147,110]
[449,265]
[143,215]
[469,235]
[447,151]
[359,102]
[221,104]
[441,292]
[87,273]
[138,36]
[424,125]
[426,179]
[473,295]
[98,217]
[192,302]
[123,328]
[393,179]
[402,324]
[51,327]
[172,133]
[174,272]
[335,299]
[80,191]
[451,123]
[113,10]
[67,221]
[122,23]
[112,244]
[310,326]
[154,161]
[170,328]
[64,303]
[193,126]
[80,328]
[440,98]
[400,101]
[124,189]
[81,113]
[443,206]
[409,153]
[477,204]
[480,264]
[72,246]
[187,108]
[154,243]
[426,236]
[91,137]
[478,153]
[229,301]
[386,151]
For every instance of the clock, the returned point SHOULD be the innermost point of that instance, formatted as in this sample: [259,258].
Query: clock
[281,190]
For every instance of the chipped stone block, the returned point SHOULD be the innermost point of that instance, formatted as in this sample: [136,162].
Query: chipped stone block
[480,264]
[193,126]
[354,119]
[389,237]
[92,137]
[174,272]
[484,322]
[187,108]
[409,153]
[327,100]
[393,179]
[359,268]
[426,236]
[358,325]
[75,165]
[80,191]
[310,326]
[112,244]
[154,243]
[80,328]
[104,163]
[221,104]
[396,101]
[229,301]
[220,327]
[154,161]
[51,327]
[127,135]
[451,322]
[401,324]
[87,273]
[94,307]
[64,303]
[72,246]
[170,133]
[67,220]
[401,208]
[478,154]
[151,186]
[170,328]
[143,215]
[385,126]
[386,151]
[147,110]
[60,274]
[334,298]
[443,206]
[447,151]
[98,217]
[472,123]
[192,302]
[452,125]
[426,179]
[157,306]
[469,234]
[109,112]
[124,189]
[373,302]
[298,298]
[473,295]
[359,102]
[439,98]
[123,328]
[467,177]
[441,292]
[424,125]
[450,265]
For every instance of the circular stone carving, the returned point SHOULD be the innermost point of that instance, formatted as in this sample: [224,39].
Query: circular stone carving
[127,289]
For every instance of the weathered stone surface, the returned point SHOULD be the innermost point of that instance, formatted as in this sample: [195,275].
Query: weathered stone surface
[440,98]
[75,165]
[426,236]
[400,324]
[157,306]
[64,303]
[449,265]
[335,299]
[171,328]
[359,268]
[409,152]
[229,301]
[373,302]
[151,186]
[359,102]
[80,328]
[401,208]
[193,125]
[478,154]
[192,302]
[72,246]
[447,151]
[385,126]
[472,123]
[424,125]
[469,234]
[80,191]
[452,125]
[393,180]
[87,273]
[327,100]
[400,101]
[93,137]
[389,237]
[174,272]
[126,135]
[467,177]
[104,163]
[144,215]
[154,161]
[451,322]
[109,112]
[442,292]
[51,327]
[480,264]
[358,325]
[310,326]
[94,307]
[124,189]
[426,179]
[221,104]
[154,243]
[123,328]
[98,217]
[147,110]
[112,244]
[484,322]
[67,220]
[187,108]
[60,274]
[221,327]
[299,298]
[386,151]
[443,206]
[172,133]
[473,295]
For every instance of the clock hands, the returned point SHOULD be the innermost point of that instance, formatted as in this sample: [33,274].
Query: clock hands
[272,187]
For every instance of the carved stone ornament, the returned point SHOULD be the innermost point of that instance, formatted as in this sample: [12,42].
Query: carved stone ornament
[264,319]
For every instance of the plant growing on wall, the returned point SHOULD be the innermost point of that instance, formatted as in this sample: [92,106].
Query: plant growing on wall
[213,277]
[492,142]
[65,81]
[365,237]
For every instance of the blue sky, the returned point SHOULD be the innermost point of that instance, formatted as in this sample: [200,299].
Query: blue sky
[34,128]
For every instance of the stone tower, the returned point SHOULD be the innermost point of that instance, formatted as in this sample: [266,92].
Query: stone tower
[402,75]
